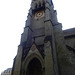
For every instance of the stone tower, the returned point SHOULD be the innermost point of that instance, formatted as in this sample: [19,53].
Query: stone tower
[42,50]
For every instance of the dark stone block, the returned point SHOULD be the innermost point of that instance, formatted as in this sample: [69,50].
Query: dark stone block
[48,38]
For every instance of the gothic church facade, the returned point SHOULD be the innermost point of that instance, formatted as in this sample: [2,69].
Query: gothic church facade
[45,49]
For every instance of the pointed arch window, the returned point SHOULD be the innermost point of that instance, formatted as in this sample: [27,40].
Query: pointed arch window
[34,67]
[39,4]
[43,4]
[35,5]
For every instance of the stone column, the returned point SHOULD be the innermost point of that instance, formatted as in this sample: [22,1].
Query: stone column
[49,36]
[17,68]
[48,25]
[48,59]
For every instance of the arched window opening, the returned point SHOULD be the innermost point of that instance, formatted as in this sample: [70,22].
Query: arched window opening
[43,4]
[39,4]
[34,67]
[35,5]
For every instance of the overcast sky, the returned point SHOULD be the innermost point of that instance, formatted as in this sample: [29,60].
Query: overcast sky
[13,14]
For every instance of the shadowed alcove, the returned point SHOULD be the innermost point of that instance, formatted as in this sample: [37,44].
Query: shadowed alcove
[34,67]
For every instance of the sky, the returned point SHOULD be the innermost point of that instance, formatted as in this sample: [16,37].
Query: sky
[13,14]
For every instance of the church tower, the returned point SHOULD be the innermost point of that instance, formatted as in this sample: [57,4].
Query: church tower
[42,50]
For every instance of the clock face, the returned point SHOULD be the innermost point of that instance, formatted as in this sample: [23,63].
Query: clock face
[39,14]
